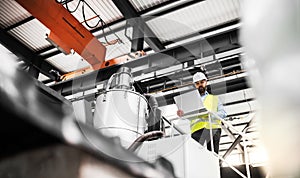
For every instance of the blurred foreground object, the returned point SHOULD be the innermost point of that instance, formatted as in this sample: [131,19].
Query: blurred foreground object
[270,35]
[40,136]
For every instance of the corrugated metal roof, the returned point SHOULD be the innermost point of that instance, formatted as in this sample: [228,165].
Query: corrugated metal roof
[106,9]
[32,34]
[140,5]
[11,12]
[167,27]
[195,18]
[68,63]
[118,49]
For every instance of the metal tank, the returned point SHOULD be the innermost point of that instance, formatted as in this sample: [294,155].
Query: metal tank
[120,111]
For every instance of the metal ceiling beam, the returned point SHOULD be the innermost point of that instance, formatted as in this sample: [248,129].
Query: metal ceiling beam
[154,15]
[28,19]
[227,66]
[153,62]
[165,11]
[140,13]
[227,24]
[168,82]
[137,41]
[226,87]
[166,43]
[157,6]
[34,72]
[27,55]
[184,4]
[111,23]
[241,101]
[48,48]
[129,12]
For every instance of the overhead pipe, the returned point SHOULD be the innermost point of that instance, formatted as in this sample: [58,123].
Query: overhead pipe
[145,137]
[154,120]
[227,66]
[151,63]
[167,82]
[227,87]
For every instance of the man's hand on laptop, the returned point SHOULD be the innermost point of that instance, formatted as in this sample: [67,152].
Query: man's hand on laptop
[180,113]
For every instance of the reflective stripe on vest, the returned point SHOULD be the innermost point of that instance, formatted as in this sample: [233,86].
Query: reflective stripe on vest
[211,104]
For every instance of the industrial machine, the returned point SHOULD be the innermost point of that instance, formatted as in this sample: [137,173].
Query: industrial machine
[120,111]
[126,114]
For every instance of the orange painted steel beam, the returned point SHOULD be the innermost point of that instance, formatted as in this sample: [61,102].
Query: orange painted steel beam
[107,63]
[66,31]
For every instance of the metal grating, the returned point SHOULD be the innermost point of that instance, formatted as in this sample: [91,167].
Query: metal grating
[141,5]
[106,9]
[32,34]
[11,13]
[195,18]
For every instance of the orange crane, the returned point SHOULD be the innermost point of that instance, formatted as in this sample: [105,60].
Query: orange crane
[66,31]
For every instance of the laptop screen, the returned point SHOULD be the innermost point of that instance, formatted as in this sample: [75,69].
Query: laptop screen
[189,102]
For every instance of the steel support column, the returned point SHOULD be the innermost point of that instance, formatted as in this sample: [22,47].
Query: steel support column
[129,12]
[137,41]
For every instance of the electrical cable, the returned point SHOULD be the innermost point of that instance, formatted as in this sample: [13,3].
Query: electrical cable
[84,17]
[103,24]
[145,137]
[72,11]
[60,2]
[102,28]
[65,2]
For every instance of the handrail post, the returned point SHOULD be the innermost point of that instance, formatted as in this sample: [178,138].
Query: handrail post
[210,133]
[244,136]
[246,155]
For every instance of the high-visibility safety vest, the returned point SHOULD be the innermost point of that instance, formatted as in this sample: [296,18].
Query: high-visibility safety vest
[202,121]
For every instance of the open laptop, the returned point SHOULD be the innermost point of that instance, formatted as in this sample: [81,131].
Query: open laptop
[190,103]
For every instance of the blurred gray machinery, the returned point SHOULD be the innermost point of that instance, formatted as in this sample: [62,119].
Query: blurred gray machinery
[40,137]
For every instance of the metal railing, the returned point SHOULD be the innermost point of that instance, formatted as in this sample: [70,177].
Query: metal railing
[228,125]
[244,138]
[246,155]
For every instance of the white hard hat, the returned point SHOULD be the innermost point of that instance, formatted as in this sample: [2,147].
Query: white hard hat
[198,77]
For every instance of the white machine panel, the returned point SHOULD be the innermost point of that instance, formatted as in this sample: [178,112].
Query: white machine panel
[121,113]
[189,158]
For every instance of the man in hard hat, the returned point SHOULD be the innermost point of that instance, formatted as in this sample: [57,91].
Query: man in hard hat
[200,127]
